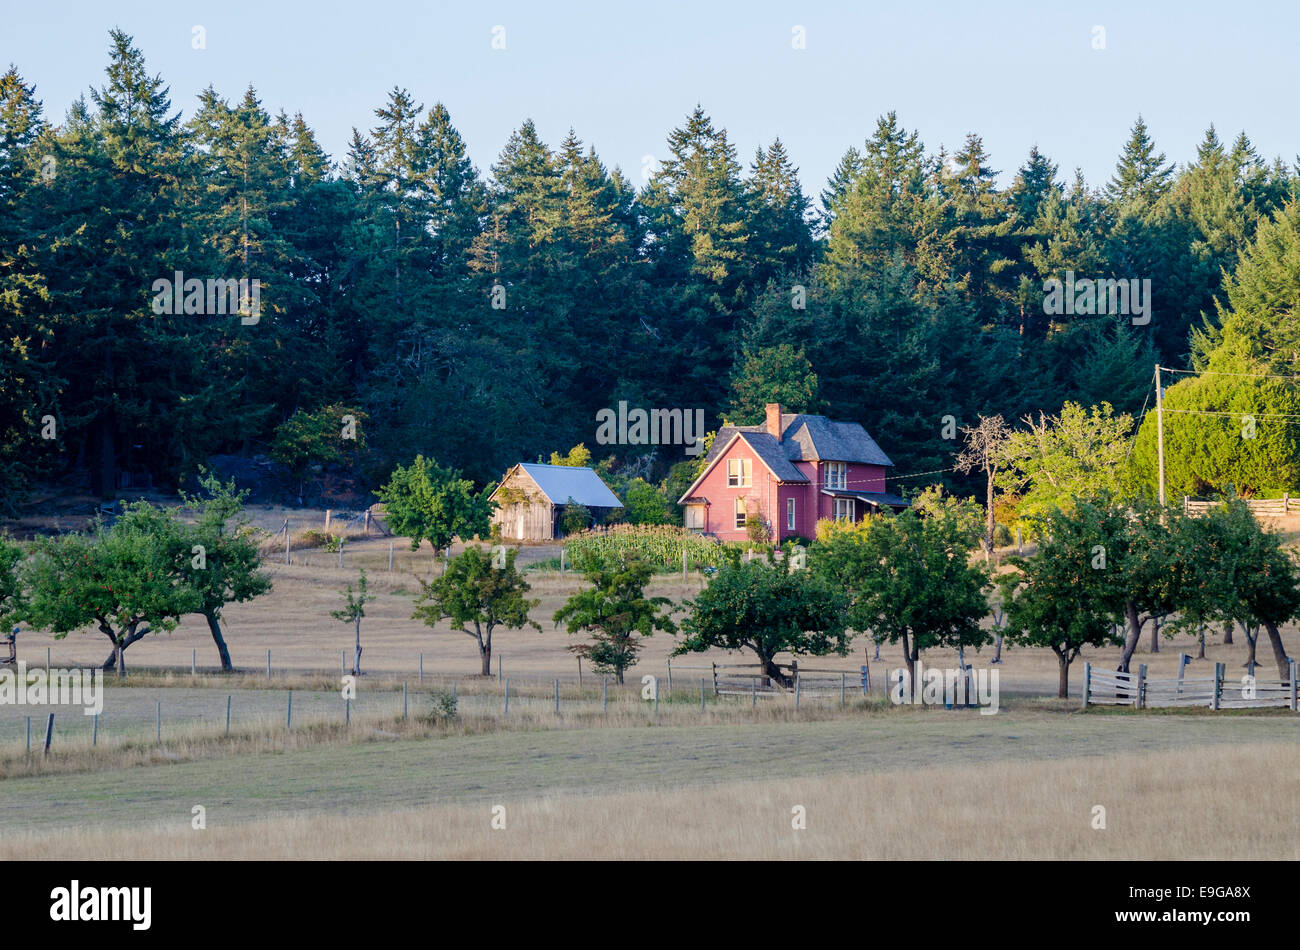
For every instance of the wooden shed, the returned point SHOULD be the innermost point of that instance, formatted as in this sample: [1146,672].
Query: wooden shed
[532,496]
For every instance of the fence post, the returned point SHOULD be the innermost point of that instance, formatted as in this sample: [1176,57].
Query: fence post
[1216,699]
[1087,683]
[1140,701]
[194,662]
[160,720]
[604,694]
[683,563]
[404,707]
[715,678]
[227,714]
[347,711]
[340,552]
[288,716]
[703,682]
[1293,690]
[796,690]
[344,659]
[753,691]
[94,734]
[557,697]
[499,659]
[421,669]
[507,712]
[844,680]
[49,733]
[866,680]
[579,674]
[47,659]
[670,674]
[268,664]
[286,540]
[29,735]
[1183,660]
[390,557]
[561,562]
[328,512]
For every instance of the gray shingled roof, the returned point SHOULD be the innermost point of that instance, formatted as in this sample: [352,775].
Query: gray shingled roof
[773,455]
[807,437]
[560,483]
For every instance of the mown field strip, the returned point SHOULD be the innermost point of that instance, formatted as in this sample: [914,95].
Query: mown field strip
[513,766]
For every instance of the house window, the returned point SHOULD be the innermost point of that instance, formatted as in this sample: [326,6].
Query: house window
[789,514]
[837,475]
[843,509]
[740,512]
[740,473]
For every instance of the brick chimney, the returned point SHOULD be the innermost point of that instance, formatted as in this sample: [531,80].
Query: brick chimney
[773,411]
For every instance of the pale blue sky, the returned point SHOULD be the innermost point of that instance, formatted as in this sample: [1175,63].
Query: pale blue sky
[623,75]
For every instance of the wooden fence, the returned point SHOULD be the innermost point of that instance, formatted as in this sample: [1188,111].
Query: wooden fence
[1268,507]
[1112,688]
[747,679]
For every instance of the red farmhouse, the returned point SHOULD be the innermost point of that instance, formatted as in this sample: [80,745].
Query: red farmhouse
[787,473]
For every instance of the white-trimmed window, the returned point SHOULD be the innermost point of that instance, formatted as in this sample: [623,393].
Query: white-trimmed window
[837,475]
[843,509]
[791,510]
[740,513]
[740,473]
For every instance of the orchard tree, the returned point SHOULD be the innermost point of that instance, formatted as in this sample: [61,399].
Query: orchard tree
[219,556]
[769,609]
[1055,459]
[618,614]
[1065,597]
[120,580]
[477,596]
[424,501]
[910,576]
[353,609]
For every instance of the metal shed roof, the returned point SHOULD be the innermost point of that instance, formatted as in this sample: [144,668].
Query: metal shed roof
[560,483]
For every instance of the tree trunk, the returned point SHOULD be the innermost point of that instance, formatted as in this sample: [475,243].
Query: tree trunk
[1135,624]
[1201,656]
[1252,639]
[1279,651]
[1063,681]
[1227,634]
[485,658]
[770,671]
[214,626]
[988,521]
[121,661]
[356,662]
[1155,635]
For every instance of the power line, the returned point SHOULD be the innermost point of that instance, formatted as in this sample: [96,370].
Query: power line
[1211,372]
[937,471]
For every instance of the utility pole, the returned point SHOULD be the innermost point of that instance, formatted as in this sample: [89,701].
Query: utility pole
[1160,434]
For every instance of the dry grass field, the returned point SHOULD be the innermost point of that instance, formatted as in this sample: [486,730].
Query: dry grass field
[1158,805]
